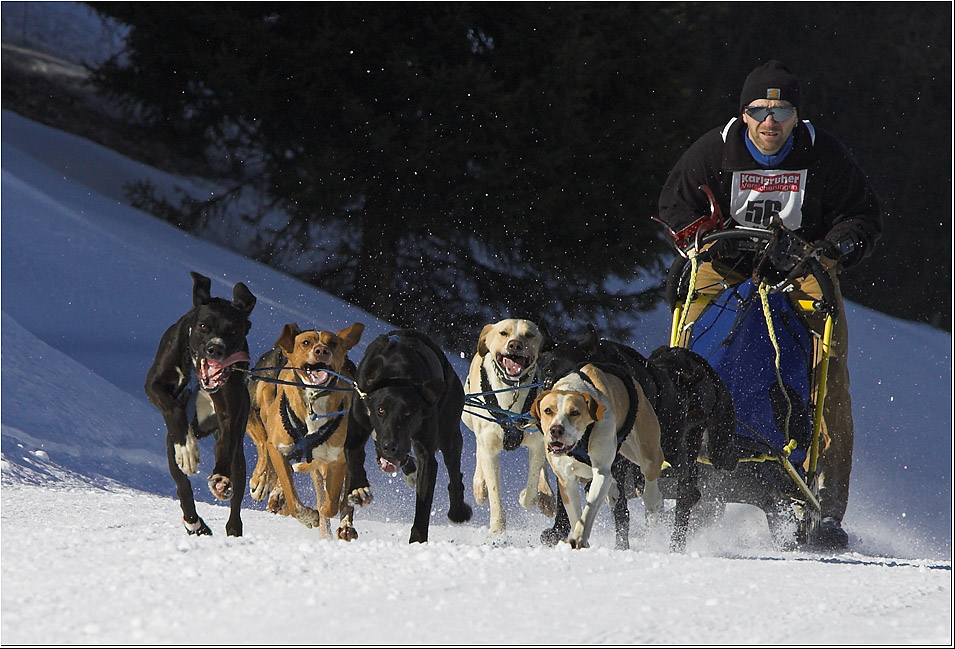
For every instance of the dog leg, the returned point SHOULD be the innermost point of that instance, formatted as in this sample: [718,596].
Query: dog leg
[478,484]
[580,534]
[187,455]
[305,515]
[190,519]
[570,497]
[621,510]
[334,483]
[424,493]
[233,526]
[263,475]
[489,456]
[546,502]
[653,500]
[451,444]
[359,490]
[320,482]
[530,496]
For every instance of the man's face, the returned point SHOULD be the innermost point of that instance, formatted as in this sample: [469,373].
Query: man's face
[770,134]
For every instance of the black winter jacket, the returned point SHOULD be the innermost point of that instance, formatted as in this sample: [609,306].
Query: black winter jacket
[818,189]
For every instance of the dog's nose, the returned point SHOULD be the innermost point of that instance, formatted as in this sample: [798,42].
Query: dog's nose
[389,448]
[556,431]
[515,346]
[215,349]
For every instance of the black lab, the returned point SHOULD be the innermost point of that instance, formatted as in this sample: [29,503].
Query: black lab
[210,342]
[411,401]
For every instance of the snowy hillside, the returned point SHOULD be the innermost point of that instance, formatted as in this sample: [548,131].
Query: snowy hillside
[88,286]
[93,551]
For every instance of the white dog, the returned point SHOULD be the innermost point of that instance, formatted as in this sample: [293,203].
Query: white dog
[590,410]
[503,373]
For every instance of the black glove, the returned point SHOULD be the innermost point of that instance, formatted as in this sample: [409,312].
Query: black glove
[838,247]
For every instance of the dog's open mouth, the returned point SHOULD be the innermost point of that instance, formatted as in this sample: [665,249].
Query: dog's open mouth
[213,374]
[316,374]
[513,366]
[391,467]
[559,448]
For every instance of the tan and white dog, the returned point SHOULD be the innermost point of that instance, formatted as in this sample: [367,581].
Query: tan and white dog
[300,423]
[589,411]
[503,373]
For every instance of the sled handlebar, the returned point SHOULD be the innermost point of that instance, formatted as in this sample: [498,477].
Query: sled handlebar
[755,242]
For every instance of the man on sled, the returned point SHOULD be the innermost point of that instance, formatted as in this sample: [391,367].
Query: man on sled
[769,167]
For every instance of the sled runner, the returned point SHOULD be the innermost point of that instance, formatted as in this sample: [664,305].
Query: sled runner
[757,338]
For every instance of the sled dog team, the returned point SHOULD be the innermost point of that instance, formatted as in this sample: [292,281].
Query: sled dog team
[592,410]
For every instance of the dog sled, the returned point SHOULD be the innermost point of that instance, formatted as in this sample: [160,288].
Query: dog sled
[758,340]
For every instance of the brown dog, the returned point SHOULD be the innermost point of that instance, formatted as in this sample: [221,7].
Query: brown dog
[300,422]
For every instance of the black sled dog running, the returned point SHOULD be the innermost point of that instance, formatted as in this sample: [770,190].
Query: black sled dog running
[210,342]
[410,400]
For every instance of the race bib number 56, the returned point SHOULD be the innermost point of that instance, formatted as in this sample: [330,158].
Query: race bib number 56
[760,196]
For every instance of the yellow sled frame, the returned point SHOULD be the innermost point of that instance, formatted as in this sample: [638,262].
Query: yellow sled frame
[680,330]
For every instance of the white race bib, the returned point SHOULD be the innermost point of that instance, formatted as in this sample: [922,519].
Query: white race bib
[758,196]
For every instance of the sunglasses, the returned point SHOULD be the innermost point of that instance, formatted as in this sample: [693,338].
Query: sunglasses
[779,113]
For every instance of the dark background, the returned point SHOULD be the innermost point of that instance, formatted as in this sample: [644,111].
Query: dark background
[444,165]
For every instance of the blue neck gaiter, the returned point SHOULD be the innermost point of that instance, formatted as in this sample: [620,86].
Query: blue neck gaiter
[769,161]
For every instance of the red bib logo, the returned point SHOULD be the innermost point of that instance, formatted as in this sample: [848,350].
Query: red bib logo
[785,182]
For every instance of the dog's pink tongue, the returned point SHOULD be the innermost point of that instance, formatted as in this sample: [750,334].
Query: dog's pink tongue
[512,367]
[318,378]
[237,357]
[386,466]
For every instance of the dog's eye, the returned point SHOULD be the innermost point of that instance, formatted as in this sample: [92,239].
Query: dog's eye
[381,411]
[203,327]
[306,343]
[548,411]
[574,413]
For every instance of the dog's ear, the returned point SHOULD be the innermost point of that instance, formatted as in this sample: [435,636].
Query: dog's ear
[351,335]
[547,342]
[536,408]
[201,289]
[286,341]
[589,342]
[482,344]
[242,298]
[371,372]
[432,390]
[596,408]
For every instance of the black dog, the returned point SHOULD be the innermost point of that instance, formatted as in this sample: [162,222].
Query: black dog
[210,340]
[684,417]
[411,398]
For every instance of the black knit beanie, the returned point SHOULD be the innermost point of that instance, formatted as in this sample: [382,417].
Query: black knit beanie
[772,80]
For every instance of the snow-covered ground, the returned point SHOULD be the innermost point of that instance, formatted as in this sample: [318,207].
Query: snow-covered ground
[93,551]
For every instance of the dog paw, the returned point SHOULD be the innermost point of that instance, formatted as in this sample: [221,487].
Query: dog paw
[551,537]
[220,486]
[261,485]
[276,503]
[199,528]
[411,479]
[308,517]
[187,455]
[360,497]
[480,493]
[529,501]
[347,533]
[578,544]
[546,505]
[460,513]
